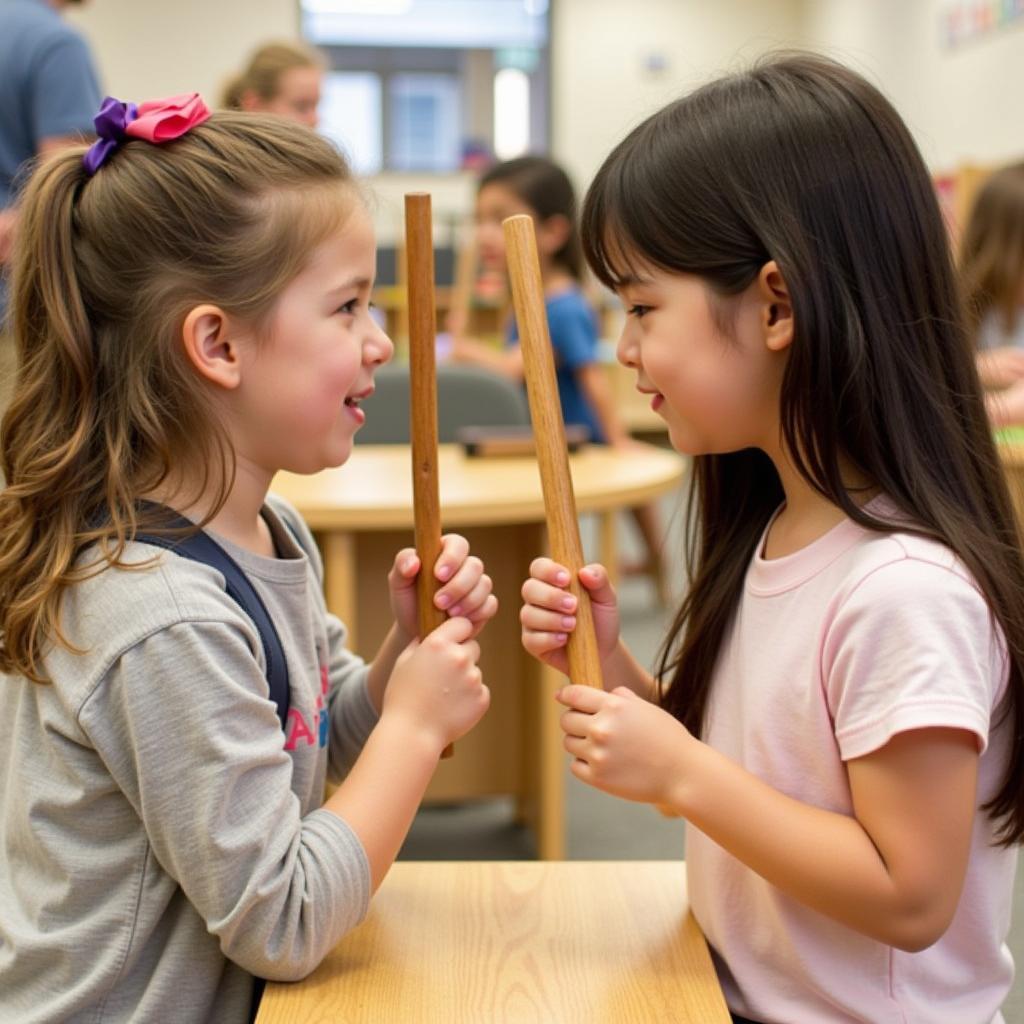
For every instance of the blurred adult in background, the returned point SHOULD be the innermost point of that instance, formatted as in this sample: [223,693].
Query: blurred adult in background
[49,94]
[992,271]
[280,78]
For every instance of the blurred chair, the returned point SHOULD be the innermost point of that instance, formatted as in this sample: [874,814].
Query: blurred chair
[467,396]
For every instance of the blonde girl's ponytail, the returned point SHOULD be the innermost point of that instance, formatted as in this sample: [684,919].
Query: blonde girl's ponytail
[50,420]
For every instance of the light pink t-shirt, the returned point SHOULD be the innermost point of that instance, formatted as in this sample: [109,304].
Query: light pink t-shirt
[834,650]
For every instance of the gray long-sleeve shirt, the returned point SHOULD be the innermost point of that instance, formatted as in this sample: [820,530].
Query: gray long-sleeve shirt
[160,841]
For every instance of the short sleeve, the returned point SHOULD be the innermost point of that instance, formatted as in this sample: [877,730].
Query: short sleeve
[912,646]
[65,90]
[573,334]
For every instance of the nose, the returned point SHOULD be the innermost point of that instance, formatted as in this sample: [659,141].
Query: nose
[627,350]
[490,238]
[378,348]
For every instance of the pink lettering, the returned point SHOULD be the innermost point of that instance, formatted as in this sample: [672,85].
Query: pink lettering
[298,730]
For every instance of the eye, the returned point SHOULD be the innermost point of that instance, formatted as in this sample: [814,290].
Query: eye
[638,311]
[350,307]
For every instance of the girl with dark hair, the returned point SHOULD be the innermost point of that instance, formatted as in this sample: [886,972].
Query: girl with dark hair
[838,709]
[538,187]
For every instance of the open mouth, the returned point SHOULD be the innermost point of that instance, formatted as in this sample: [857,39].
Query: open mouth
[352,401]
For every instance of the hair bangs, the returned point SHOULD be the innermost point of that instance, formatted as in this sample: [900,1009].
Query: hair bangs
[612,230]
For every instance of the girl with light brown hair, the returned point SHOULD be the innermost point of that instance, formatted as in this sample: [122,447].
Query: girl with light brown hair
[992,274]
[280,78]
[191,308]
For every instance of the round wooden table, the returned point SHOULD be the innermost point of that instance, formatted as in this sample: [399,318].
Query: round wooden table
[362,514]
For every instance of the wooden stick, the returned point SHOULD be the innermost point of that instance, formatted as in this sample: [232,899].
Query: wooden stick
[419,250]
[549,436]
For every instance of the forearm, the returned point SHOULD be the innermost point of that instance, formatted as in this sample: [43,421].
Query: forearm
[622,669]
[384,664]
[824,860]
[379,798]
[1006,408]
[507,362]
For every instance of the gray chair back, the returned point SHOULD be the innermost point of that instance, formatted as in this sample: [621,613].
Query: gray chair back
[467,396]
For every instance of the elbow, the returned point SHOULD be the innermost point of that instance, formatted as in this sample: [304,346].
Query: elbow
[917,928]
[292,963]
[285,971]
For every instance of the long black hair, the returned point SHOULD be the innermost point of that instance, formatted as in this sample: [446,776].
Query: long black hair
[801,161]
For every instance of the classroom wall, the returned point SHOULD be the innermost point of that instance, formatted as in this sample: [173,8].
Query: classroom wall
[147,49]
[614,62]
[963,104]
[611,63]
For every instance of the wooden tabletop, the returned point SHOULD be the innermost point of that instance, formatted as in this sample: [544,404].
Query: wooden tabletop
[508,942]
[373,490]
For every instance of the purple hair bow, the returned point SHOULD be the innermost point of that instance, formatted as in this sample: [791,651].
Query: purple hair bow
[155,121]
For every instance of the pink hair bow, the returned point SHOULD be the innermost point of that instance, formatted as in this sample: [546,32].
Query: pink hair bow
[163,120]
[155,121]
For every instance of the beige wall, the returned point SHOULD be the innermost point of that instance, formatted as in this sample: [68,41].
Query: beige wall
[602,85]
[963,106]
[151,48]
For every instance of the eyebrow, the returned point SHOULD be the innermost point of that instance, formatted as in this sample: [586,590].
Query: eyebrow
[631,279]
[345,286]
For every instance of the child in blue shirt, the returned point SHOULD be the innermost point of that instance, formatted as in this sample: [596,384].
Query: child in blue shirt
[541,189]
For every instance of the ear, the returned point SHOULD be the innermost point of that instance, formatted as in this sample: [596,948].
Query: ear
[777,310]
[553,232]
[211,346]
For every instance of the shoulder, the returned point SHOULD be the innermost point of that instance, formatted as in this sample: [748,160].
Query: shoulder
[910,641]
[888,568]
[119,607]
[570,305]
[36,28]
[573,327]
[901,581]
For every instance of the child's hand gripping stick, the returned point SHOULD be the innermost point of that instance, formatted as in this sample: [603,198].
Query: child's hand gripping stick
[549,434]
[419,248]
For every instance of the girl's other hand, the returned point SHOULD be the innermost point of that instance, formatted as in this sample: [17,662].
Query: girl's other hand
[466,592]
[1006,408]
[436,684]
[624,745]
[1001,367]
[548,614]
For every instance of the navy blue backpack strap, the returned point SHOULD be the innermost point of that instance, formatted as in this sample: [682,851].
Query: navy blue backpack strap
[201,547]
